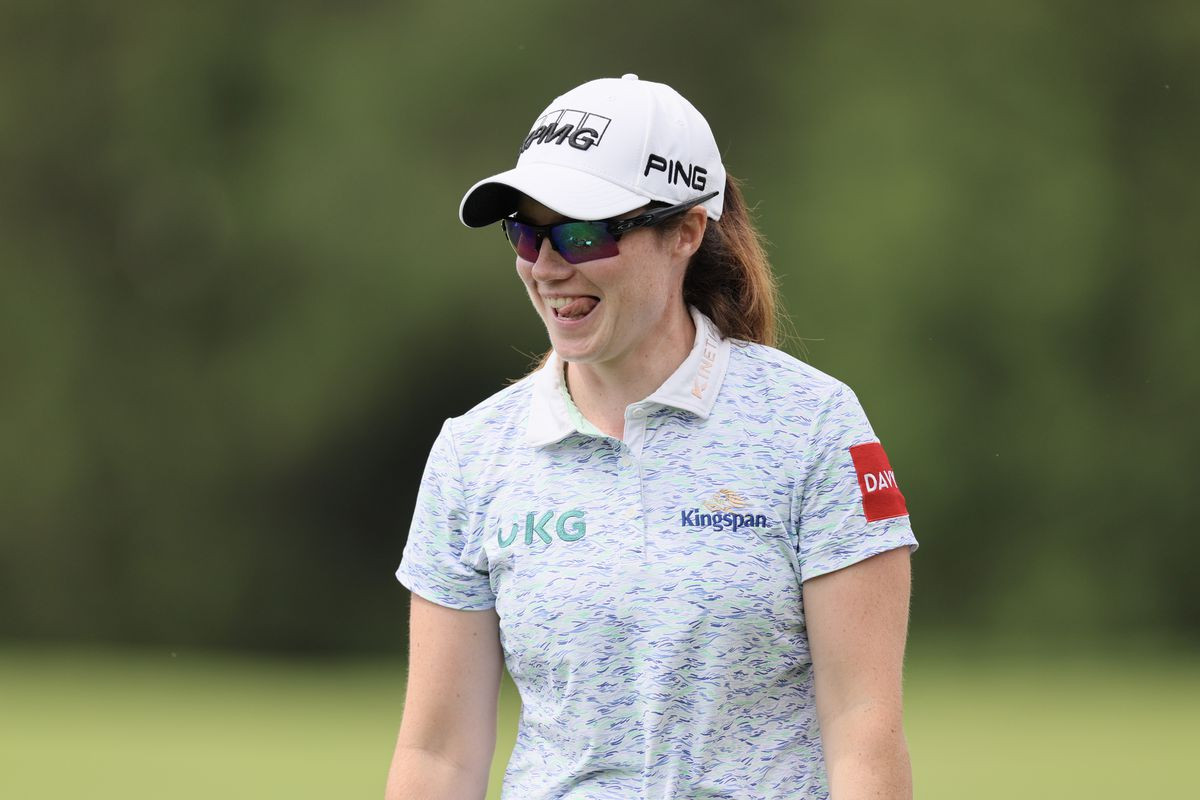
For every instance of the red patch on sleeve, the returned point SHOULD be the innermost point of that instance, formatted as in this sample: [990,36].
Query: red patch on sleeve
[880,495]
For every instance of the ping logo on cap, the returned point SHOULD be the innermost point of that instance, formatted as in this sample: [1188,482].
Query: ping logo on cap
[580,129]
[693,176]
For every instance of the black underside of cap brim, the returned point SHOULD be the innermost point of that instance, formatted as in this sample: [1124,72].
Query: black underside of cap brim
[489,203]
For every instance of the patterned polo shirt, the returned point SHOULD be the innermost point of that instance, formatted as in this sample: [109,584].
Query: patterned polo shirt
[649,589]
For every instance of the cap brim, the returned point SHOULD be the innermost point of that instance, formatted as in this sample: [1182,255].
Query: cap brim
[574,194]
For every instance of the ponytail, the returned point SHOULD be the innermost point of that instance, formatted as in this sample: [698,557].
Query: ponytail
[729,277]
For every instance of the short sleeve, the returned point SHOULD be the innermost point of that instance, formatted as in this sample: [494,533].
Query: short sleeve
[440,552]
[833,526]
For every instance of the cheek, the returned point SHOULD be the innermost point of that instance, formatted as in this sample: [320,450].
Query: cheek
[644,279]
[525,272]
[604,274]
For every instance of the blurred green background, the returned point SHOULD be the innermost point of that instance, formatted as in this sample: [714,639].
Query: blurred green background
[237,304]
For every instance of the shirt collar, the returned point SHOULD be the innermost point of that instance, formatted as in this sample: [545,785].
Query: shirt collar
[692,387]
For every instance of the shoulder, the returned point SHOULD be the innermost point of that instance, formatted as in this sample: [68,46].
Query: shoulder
[786,397]
[757,371]
[495,422]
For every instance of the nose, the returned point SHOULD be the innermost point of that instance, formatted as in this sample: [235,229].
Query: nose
[550,266]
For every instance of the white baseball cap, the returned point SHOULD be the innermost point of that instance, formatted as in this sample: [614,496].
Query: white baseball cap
[604,149]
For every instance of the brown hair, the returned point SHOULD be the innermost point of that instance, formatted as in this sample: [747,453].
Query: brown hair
[730,279]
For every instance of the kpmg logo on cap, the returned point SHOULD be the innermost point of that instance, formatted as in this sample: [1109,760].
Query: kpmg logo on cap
[580,129]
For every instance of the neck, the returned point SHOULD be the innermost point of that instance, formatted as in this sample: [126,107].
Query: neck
[602,391]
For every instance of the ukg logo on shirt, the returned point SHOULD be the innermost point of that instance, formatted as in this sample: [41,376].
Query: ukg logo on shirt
[722,511]
[570,526]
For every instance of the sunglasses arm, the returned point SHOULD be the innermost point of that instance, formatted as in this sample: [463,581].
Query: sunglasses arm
[619,226]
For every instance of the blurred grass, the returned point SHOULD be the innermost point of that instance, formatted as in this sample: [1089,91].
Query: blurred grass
[134,725]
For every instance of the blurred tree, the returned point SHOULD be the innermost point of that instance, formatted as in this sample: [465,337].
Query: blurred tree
[237,302]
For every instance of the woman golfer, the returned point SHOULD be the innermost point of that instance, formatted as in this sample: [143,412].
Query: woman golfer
[687,547]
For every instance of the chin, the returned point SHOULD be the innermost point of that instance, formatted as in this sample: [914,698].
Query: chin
[575,355]
[577,352]
[572,349]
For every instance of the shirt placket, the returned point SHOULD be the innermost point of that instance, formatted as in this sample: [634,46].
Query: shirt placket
[632,477]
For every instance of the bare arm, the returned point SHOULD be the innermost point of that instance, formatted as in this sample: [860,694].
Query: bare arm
[448,731]
[857,624]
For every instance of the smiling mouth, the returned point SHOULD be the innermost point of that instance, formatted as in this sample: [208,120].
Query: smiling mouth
[571,308]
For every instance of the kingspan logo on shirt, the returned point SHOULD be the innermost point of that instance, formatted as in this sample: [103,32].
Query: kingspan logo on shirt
[722,511]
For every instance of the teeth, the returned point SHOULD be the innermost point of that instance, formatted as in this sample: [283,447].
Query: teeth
[560,302]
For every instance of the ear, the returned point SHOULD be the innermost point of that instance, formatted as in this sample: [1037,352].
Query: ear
[690,233]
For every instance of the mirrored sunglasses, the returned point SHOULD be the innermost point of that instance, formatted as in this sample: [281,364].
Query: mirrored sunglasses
[578,241]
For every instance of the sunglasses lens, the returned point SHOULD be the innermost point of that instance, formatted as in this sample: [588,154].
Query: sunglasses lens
[523,239]
[583,241]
